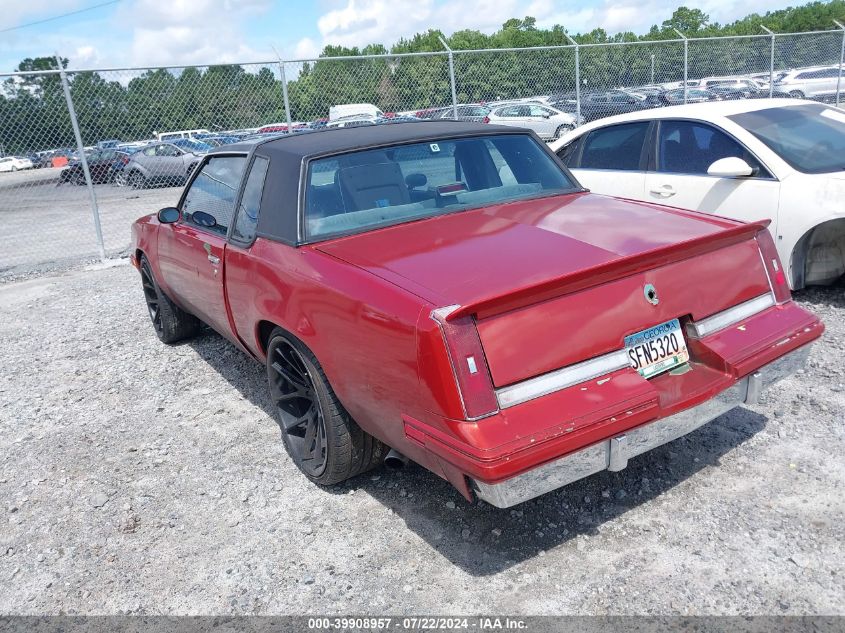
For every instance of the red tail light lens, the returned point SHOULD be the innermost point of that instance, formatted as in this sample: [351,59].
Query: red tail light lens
[774,267]
[486,119]
[469,365]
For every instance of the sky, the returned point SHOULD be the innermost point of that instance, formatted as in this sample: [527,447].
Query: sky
[185,32]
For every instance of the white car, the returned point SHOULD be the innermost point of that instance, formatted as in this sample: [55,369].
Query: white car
[14,163]
[549,123]
[776,159]
[815,83]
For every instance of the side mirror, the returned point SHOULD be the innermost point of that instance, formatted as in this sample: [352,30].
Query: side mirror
[201,218]
[168,215]
[730,167]
[416,180]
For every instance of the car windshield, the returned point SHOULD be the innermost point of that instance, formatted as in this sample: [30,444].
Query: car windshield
[368,189]
[810,137]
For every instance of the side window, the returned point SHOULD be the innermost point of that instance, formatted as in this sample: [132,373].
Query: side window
[247,218]
[538,111]
[213,192]
[615,147]
[150,151]
[568,153]
[684,147]
[511,111]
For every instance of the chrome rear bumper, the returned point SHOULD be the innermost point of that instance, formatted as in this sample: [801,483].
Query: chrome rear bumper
[613,454]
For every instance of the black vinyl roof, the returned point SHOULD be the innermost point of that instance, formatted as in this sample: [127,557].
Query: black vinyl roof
[279,216]
[340,140]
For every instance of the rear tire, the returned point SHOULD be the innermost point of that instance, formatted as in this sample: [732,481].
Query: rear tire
[170,322]
[320,436]
[796,94]
[77,179]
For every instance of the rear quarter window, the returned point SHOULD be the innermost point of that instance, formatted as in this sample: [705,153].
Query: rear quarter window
[616,147]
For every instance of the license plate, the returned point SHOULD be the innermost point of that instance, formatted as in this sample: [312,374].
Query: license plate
[657,349]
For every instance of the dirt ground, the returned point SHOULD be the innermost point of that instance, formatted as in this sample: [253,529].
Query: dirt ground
[141,478]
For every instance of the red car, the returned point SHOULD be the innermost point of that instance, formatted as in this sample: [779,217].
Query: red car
[448,292]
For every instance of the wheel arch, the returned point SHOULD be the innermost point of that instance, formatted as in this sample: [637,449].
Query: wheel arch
[830,232]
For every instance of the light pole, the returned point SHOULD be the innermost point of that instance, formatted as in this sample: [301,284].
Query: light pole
[652,68]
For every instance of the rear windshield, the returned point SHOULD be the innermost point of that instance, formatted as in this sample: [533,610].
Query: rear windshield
[810,137]
[368,189]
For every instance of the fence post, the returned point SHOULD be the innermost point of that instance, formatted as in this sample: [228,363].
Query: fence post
[686,63]
[577,80]
[95,211]
[284,89]
[771,63]
[452,78]
[285,96]
[841,60]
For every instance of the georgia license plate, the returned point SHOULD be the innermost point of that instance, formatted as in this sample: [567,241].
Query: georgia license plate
[657,349]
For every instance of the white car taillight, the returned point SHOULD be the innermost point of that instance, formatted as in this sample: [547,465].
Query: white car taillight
[469,365]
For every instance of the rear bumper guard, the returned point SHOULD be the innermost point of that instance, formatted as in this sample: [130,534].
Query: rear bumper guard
[613,454]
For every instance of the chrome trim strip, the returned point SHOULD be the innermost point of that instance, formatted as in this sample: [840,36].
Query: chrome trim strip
[731,316]
[614,452]
[561,378]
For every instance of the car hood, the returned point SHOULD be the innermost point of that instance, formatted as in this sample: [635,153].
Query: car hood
[461,257]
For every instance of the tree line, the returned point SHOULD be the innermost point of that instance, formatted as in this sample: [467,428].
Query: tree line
[120,105]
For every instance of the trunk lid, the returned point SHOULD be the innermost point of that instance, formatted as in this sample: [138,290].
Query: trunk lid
[558,280]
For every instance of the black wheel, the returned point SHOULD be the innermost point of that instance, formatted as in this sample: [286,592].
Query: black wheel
[796,94]
[77,179]
[120,179]
[170,322]
[137,180]
[320,436]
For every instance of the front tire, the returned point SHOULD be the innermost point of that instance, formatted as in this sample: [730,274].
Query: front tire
[796,94]
[561,130]
[170,322]
[320,436]
[137,180]
[120,179]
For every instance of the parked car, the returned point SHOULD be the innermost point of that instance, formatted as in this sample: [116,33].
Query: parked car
[14,163]
[599,328]
[676,96]
[56,158]
[218,141]
[810,83]
[597,105]
[194,146]
[779,160]
[161,163]
[352,121]
[99,166]
[429,113]
[549,123]
[122,158]
[173,136]
[346,110]
[280,127]
[470,112]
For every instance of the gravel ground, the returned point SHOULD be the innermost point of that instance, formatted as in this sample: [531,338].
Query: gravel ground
[141,478]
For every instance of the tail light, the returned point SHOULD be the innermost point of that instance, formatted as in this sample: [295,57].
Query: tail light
[486,119]
[124,160]
[774,267]
[469,365]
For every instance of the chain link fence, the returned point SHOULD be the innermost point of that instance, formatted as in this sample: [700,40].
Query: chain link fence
[84,153]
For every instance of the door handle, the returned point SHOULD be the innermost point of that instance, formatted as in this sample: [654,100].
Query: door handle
[664,191]
[212,258]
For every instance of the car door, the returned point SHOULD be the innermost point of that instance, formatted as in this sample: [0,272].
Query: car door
[683,153]
[169,161]
[191,252]
[540,120]
[612,159]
